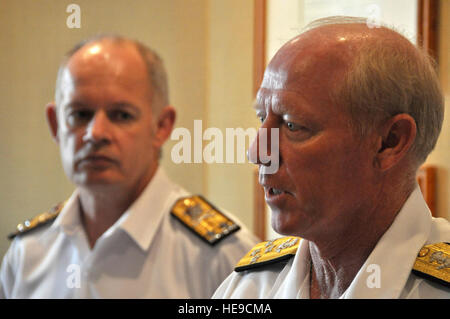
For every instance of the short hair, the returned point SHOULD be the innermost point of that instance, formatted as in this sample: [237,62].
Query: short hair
[384,80]
[154,64]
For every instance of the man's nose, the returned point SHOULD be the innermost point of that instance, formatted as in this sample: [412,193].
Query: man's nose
[98,129]
[260,148]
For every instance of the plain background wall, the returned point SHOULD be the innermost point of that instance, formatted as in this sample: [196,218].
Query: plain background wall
[440,157]
[230,100]
[207,48]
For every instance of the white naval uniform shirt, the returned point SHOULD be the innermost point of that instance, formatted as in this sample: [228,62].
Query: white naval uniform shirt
[394,256]
[146,254]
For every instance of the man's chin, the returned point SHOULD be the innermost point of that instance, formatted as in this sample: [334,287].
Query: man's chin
[96,180]
[286,225]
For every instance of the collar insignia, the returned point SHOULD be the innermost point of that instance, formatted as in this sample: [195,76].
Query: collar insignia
[37,221]
[269,252]
[433,262]
[204,219]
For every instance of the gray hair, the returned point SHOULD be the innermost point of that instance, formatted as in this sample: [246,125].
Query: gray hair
[386,79]
[155,68]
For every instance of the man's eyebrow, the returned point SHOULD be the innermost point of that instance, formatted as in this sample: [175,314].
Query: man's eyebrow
[281,108]
[124,104]
[119,104]
[258,103]
[281,105]
[75,104]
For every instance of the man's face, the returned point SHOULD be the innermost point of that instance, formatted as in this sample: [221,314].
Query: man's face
[325,171]
[105,127]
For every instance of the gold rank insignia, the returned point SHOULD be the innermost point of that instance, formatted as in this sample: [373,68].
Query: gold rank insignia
[433,262]
[269,252]
[205,220]
[37,221]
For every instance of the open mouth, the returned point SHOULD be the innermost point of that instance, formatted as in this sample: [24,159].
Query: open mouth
[275,194]
[276,197]
[274,191]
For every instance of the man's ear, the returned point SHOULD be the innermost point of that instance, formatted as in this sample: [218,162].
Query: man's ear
[164,125]
[396,138]
[52,120]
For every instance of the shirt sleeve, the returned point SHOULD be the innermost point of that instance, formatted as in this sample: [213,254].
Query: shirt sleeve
[2,293]
[6,276]
[225,288]
[10,267]
[231,251]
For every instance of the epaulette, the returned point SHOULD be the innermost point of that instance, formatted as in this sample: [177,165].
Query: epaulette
[205,220]
[433,262]
[269,252]
[37,221]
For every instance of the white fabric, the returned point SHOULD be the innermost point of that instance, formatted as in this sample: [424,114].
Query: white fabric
[147,253]
[395,254]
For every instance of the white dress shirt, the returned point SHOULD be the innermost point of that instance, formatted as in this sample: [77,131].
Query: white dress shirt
[385,274]
[147,253]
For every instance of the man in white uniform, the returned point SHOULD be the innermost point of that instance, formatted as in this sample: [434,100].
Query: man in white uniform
[358,110]
[127,231]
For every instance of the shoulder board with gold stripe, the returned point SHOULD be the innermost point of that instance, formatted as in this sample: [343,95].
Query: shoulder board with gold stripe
[37,221]
[269,252]
[205,220]
[433,262]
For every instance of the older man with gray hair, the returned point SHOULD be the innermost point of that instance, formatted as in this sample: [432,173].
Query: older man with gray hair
[127,231]
[358,110]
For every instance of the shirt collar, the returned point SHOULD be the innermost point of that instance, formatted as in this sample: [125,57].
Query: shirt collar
[140,221]
[296,282]
[142,218]
[395,252]
[69,217]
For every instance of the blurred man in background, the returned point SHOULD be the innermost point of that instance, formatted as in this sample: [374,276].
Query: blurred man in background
[127,231]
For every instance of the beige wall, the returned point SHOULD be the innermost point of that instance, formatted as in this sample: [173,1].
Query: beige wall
[440,157]
[229,99]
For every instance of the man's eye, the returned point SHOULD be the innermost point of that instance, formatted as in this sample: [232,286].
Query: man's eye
[294,127]
[78,116]
[121,116]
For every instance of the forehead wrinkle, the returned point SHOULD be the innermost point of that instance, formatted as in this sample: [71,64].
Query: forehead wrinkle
[281,102]
[293,105]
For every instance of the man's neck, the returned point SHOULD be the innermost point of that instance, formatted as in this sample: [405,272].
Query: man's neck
[98,212]
[336,260]
[101,207]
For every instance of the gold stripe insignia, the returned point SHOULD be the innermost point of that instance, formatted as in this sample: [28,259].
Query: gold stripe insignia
[205,220]
[269,252]
[37,221]
[433,262]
